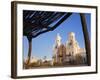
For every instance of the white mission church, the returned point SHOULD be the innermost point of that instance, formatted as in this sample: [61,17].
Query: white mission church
[70,52]
[64,54]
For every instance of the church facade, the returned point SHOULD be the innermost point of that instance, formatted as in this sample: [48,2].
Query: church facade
[68,53]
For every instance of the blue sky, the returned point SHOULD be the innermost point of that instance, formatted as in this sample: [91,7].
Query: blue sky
[43,44]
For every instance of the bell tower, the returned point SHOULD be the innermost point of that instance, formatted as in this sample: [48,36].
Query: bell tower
[56,47]
[71,36]
[72,46]
[58,40]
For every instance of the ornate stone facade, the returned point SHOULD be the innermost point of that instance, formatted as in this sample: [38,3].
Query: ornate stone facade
[68,53]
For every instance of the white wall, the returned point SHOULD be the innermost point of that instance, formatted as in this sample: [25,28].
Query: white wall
[5,40]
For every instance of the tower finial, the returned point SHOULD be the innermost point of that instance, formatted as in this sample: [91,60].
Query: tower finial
[58,39]
[72,36]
